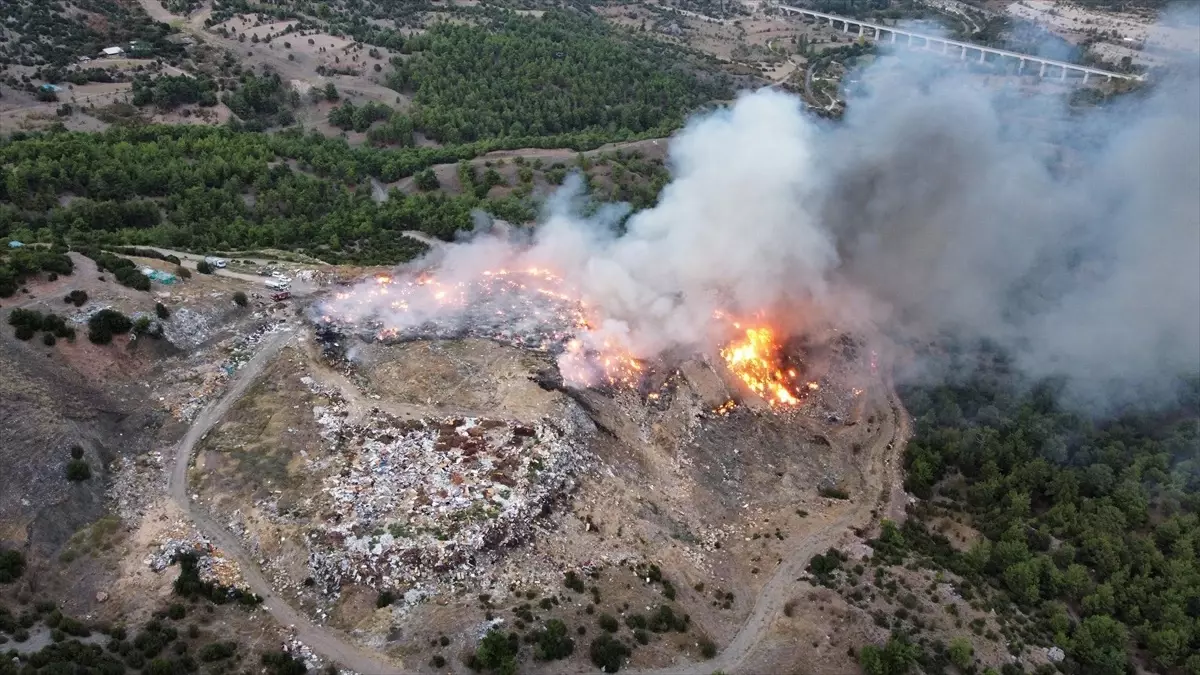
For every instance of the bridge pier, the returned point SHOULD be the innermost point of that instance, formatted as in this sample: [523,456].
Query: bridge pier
[962,53]
[1021,67]
[982,55]
[1086,75]
[945,46]
[1063,75]
[893,37]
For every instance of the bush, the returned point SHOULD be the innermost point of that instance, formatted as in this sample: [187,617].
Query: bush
[552,642]
[76,297]
[607,653]
[426,180]
[707,648]
[217,651]
[385,598]
[240,299]
[183,272]
[498,652]
[76,452]
[189,585]
[78,471]
[12,565]
[282,663]
[106,323]
[176,611]
[609,623]
[24,332]
[665,619]
[572,581]
[161,311]
[48,339]
[203,267]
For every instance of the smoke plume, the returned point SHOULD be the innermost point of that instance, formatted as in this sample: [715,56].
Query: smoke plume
[941,203]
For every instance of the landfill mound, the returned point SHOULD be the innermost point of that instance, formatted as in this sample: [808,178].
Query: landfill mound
[405,501]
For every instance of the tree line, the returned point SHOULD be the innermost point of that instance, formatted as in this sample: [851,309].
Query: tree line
[559,74]
[1089,525]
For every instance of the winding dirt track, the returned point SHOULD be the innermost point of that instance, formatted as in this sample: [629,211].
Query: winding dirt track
[882,478]
[324,641]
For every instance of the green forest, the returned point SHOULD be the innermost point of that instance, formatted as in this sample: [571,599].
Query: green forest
[43,33]
[560,74]
[215,188]
[1089,526]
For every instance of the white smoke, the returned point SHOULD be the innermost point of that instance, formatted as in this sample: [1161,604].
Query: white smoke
[1072,239]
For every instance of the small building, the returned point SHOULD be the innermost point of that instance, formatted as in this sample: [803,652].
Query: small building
[15,244]
[112,51]
[50,87]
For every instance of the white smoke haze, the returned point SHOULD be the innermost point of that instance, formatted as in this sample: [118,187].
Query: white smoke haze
[937,205]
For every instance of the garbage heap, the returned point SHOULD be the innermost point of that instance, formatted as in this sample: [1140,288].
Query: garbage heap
[411,500]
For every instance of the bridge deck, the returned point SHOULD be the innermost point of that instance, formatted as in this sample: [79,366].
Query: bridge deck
[957,43]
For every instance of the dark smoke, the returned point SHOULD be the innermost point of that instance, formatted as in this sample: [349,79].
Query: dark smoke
[1072,239]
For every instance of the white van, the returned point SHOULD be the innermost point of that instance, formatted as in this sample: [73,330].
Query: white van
[215,261]
[277,285]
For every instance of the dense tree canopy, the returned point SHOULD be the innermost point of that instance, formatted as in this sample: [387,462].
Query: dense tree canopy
[218,189]
[558,74]
[1089,524]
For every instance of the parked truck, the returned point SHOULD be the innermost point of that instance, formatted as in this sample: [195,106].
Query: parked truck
[280,296]
[215,261]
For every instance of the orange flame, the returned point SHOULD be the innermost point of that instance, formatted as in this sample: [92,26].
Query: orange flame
[754,359]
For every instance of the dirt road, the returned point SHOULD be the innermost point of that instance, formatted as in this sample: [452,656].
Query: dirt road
[881,478]
[882,481]
[324,641]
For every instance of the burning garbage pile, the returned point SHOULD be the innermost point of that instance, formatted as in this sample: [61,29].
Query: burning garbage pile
[406,501]
[535,309]
[530,308]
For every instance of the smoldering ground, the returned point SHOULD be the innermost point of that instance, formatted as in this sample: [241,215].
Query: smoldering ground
[939,204]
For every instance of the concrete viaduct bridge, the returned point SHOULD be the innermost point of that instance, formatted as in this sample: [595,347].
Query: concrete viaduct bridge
[964,48]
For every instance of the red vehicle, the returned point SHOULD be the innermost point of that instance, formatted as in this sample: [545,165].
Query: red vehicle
[280,296]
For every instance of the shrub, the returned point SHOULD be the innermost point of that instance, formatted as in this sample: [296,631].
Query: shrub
[76,452]
[240,299]
[607,653]
[48,339]
[183,272]
[176,611]
[707,648]
[78,471]
[552,642]
[497,651]
[203,267]
[12,565]
[385,598]
[106,323]
[217,651]
[282,663]
[24,332]
[664,619]
[609,623]
[76,297]
[161,311]
[572,581]
[635,621]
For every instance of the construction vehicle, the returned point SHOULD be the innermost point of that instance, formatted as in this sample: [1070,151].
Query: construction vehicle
[280,296]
